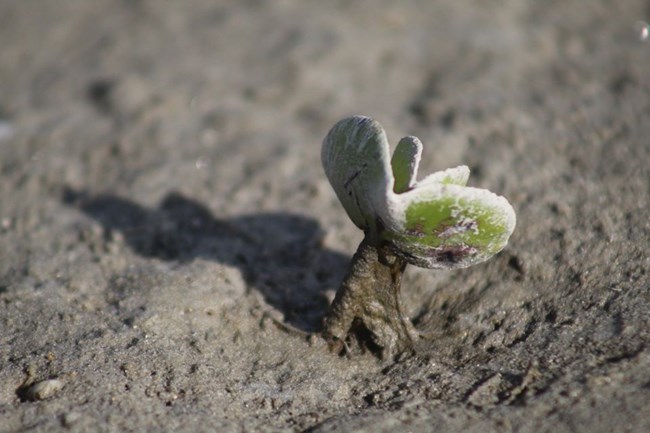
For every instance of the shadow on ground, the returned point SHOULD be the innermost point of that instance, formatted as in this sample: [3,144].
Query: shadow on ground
[279,254]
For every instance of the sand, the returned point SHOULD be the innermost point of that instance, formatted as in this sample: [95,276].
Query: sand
[165,218]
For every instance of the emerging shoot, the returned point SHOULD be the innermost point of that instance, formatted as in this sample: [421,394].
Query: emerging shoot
[437,222]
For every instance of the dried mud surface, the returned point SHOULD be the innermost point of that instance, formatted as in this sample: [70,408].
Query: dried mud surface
[163,207]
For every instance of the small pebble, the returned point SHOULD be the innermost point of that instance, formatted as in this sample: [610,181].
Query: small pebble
[5,223]
[6,130]
[70,418]
[44,389]
[643,30]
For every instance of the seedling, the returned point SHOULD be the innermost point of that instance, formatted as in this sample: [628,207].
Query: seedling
[437,222]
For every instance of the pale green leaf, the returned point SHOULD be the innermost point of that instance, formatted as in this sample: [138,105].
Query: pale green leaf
[435,223]
[404,163]
[356,162]
[450,226]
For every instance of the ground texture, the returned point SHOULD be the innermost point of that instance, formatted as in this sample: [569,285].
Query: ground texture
[164,212]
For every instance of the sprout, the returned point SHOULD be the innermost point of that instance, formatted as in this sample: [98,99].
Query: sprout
[437,222]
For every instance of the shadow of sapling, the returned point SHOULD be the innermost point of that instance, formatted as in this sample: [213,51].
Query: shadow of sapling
[279,254]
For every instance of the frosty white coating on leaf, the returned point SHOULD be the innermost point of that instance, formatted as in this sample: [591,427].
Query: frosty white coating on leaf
[355,159]
[451,226]
[435,223]
[457,176]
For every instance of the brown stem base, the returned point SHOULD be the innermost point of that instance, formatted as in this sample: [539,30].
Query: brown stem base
[366,310]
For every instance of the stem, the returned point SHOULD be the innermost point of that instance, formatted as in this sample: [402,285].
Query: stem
[366,310]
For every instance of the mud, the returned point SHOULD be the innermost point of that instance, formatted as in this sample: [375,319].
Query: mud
[163,213]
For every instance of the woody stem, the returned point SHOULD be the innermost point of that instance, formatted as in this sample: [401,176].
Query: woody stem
[366,310]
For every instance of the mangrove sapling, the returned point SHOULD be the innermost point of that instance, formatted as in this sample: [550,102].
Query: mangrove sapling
[437,222]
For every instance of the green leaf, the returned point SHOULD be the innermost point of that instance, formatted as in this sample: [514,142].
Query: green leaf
[356,162]
[456,176]
[450,226]
[435,223]
[405,162]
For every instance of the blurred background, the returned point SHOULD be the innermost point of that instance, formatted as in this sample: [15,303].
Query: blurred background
[161,196]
